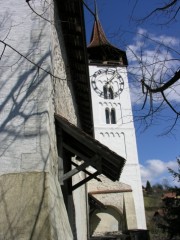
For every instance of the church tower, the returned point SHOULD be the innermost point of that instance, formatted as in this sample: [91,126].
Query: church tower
[112,113]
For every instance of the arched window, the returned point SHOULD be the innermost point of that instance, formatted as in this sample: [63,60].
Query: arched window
[105,90]
[110,93]
[110,116]
[107,113]
[113,116]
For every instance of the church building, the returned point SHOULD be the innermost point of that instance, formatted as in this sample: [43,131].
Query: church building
[69,167]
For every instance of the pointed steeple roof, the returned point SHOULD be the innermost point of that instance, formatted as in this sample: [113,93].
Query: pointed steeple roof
[100,49]
[98,36]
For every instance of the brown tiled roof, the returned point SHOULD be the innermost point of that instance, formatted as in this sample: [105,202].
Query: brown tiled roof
[98,36]
[169,195]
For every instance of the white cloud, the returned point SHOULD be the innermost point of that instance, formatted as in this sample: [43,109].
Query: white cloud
[156,171]
[167,40]
[150,58]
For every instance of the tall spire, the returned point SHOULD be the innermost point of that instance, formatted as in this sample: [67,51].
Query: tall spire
[98,36]
[100,49]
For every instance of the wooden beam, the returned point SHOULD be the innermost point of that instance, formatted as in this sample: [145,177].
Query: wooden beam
[79,168]
[96,159]
[75,171]
[85,180]
[87,172]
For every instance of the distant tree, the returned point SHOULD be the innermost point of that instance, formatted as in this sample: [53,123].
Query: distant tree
[148,187]
[171,208]
[158,188]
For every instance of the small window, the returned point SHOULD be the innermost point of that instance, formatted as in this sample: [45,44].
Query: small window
[105,90]
[108,92]
[113,116]
[107,113]
[110,116]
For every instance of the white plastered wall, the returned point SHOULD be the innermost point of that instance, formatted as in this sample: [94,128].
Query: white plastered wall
[120,137]
[28,153]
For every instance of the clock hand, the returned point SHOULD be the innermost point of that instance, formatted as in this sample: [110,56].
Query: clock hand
[110,80]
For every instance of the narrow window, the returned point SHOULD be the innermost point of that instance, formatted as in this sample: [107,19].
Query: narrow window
[105,90]
[113,116]
[110,93]
[107,115]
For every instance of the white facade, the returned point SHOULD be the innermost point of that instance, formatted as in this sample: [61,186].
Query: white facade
[32,204]
[118,136]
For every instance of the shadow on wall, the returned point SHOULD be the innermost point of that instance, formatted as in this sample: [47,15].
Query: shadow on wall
[22,92]
[29,195]
[23,138]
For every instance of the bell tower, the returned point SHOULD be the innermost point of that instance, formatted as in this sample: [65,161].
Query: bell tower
[112,111]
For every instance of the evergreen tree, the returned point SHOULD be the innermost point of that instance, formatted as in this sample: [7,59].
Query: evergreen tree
[171,208]
[148,187]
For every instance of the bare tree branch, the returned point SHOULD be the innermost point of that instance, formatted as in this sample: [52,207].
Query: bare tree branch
[164,87]
[168,103]
[164,8]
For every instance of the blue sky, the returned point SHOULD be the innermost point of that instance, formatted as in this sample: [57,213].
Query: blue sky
[119,19]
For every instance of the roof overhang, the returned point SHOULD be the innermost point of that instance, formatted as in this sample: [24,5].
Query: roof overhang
[91,151]
[72,22]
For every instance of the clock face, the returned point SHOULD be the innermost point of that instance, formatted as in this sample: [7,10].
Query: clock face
[107,83]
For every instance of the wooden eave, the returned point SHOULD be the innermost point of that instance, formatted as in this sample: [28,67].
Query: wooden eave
[94,154]
[72,22]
